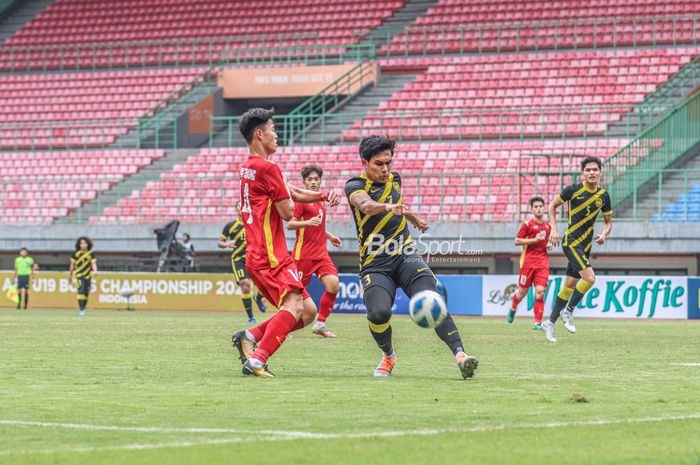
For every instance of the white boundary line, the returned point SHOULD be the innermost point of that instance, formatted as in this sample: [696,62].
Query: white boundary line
[687,364]
[282,435]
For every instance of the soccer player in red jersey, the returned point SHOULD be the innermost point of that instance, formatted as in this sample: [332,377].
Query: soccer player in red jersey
[310,251]
[534,261]
[267,200]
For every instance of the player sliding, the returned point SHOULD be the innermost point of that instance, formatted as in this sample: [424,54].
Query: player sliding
[233,237]
[534,261]
[266,200]
[388,256]
[585,201]
[310,251]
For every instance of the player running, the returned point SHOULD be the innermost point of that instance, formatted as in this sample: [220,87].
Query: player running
[534,261]
[233,237]
[83,266]
[388,255]
[266,200]
[310,251]
[585,201]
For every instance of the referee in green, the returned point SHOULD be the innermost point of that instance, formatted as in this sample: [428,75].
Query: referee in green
[24,272]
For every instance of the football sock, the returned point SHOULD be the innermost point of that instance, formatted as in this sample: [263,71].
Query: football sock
[326,306]
[26,299]
[300,324]
[560,303]
[382,336]
[539,310]
[259,331]
[81,301]
[278,328]
[515,302]
[248,304]
[581,288]
[447,331]
[259,301]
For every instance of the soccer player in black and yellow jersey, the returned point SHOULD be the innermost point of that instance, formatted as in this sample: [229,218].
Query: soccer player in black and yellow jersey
[233,237]
[585,200]
[83,266]
[388,254]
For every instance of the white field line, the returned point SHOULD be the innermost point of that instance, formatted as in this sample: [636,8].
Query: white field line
[688,364]
[283,435]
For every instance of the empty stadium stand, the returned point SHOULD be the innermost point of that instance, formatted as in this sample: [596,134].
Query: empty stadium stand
[39,187]
[459,181]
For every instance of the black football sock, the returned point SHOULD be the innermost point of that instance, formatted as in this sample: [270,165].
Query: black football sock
[560,303]
[448,332]
[26,299]
[581,288]
[248,304]
[378,302]
[382,336]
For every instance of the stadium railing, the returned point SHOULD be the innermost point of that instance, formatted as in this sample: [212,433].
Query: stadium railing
[139,55]
[302,55]
[544,35]
[653,151]
[441,196]
[455,125]
[688,77]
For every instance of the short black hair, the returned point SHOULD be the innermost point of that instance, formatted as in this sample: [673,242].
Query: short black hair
[308,169]
[25,249]
[252,119]
[372,145]
[187,234]
[588,160]
[83,238]
[536,199]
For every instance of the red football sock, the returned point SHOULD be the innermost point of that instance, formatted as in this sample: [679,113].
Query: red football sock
[515,302]
[300,324]
[539,310]
[279,327]
[259,331]
[326,306]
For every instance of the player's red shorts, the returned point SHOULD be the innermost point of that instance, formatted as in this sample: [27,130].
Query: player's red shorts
[277,282]
[321,267]
[536,276]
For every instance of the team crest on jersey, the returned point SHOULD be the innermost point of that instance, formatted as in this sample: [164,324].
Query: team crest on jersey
[598,203]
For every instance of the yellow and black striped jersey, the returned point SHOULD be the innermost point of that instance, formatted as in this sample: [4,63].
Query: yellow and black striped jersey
[584,205]
[235,231]
[383,235]
[82,263]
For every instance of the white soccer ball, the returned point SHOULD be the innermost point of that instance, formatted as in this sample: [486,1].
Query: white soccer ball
[427,309]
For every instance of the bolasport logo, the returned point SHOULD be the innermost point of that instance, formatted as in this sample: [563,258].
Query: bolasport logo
[437,250]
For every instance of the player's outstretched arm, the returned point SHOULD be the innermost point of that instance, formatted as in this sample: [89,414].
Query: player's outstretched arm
[417,221]
[300,195]
[607,227]
[554,238]
[363,202]
[335,240]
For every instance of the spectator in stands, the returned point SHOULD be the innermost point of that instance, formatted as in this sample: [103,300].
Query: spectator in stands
[188,250]
[24,272]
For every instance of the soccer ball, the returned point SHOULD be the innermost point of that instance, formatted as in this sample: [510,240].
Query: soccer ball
[427,309]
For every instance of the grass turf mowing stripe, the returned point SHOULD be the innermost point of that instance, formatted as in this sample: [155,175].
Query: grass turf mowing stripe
[281,435]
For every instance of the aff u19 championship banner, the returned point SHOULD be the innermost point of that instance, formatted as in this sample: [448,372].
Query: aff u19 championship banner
[610,297]
[151,291]
[463,295]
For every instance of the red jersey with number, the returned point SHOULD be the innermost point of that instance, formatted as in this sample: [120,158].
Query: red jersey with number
[534,255]
[311,240]
[262,185]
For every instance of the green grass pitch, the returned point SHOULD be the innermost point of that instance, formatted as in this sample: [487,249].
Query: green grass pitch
[166,388]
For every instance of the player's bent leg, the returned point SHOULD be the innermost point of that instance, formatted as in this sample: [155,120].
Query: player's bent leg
[539,307]
[587,281]
[332,285]
[378,302]
[518,296]
[563,298]
[244,284]
[447,331]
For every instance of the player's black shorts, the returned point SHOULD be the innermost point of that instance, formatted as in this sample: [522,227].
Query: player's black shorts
[578,260]
[399,271]
[23,282]
[239,271]
[84,285]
